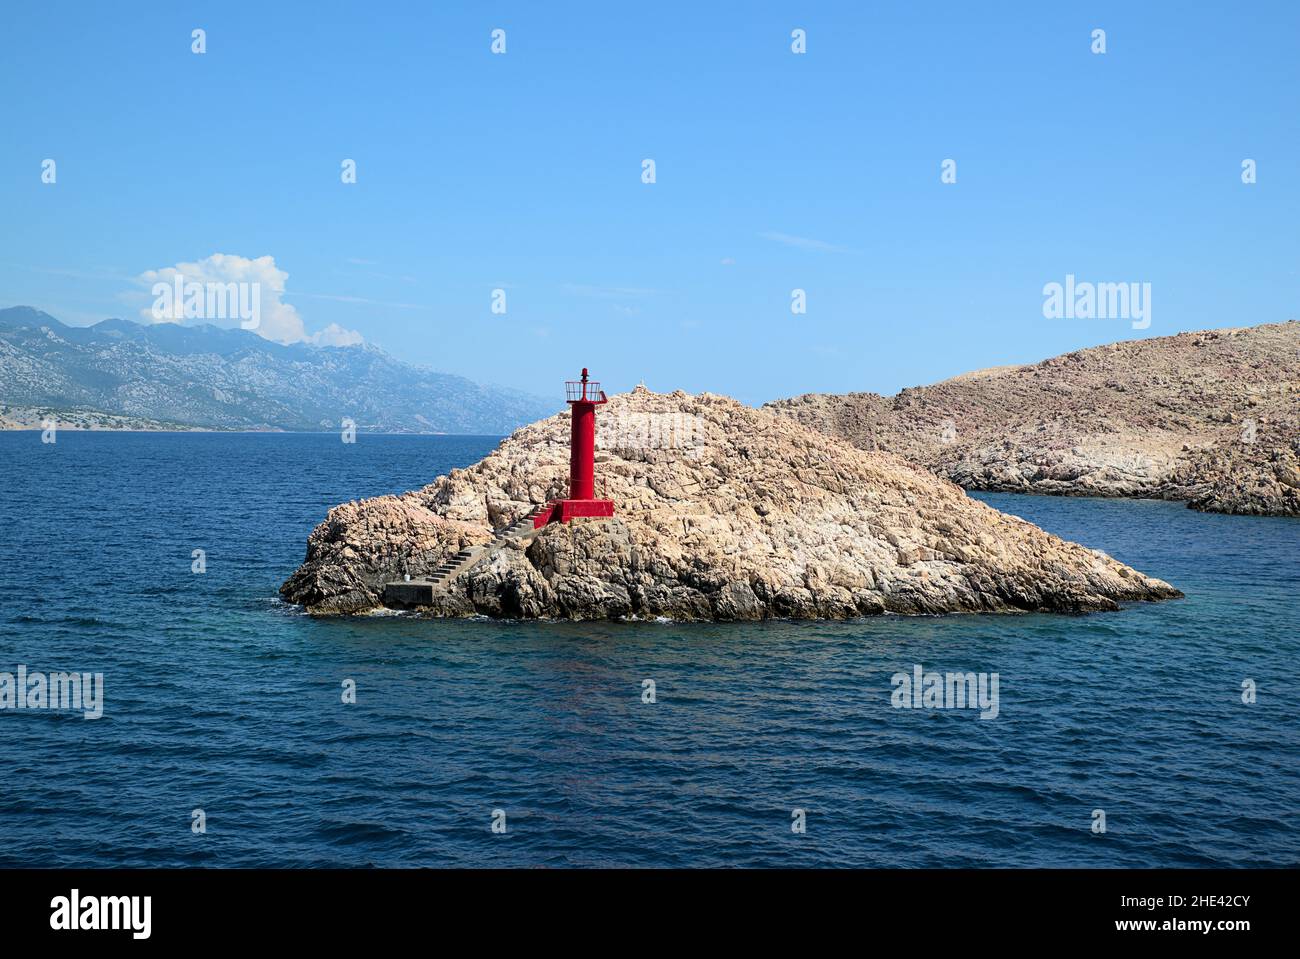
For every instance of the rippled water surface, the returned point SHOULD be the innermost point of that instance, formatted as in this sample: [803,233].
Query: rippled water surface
[219,697]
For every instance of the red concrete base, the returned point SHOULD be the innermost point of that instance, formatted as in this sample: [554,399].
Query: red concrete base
[563,510]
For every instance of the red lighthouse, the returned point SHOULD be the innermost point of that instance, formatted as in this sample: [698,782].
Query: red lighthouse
[583,397]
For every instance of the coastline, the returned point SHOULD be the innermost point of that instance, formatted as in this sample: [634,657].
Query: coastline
[751,516]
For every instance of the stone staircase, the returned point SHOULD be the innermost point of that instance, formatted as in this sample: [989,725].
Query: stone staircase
[420,592]
[462,562]
[524,528]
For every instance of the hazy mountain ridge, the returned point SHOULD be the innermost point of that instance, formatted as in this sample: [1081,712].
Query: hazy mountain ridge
[233,379]
[1210,417]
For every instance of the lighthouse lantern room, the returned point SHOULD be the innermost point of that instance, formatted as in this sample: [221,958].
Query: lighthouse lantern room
[583,397]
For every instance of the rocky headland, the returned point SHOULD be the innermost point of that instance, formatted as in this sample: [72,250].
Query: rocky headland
[38,418]
[1212,418]
[724,512]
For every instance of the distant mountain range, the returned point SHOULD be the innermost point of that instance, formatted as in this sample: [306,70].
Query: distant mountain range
[119,374]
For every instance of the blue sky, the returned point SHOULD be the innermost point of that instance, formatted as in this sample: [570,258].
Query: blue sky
[775,171]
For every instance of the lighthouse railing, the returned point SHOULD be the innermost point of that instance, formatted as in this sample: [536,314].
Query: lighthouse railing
[574,392]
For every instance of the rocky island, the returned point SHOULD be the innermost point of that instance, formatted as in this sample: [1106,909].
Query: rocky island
[724,512]
[1212,418]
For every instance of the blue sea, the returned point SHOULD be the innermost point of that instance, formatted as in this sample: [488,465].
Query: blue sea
[219,697]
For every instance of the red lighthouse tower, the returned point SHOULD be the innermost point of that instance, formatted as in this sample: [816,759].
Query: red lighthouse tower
[583,396]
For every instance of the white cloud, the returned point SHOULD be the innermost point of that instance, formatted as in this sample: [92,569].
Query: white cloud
[587,289]
[335,335]
[278,321]
[803,242]
[359,300]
